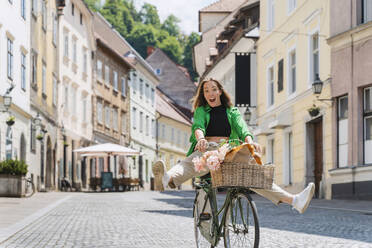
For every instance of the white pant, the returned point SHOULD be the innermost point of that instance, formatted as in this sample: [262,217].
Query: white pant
[184,171]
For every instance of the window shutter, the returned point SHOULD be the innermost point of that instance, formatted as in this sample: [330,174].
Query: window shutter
[280,75]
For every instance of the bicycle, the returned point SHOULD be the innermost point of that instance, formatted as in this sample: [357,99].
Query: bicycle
[236,221]
[29,187]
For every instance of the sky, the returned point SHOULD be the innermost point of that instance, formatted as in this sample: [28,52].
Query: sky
[186,10]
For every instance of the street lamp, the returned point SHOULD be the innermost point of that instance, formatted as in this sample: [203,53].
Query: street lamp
[37,120]
[247,116]
[317,88]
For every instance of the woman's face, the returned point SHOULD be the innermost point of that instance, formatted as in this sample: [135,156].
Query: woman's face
[212,93]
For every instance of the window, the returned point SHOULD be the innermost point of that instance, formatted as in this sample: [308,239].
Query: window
[34,6]
[270,86]
[115,119]
[74,55]
[172,135]
[54,91]
[367,11]
[23,9]
[107,74]
[291,5]
[178,138]
[147,125]
[34,67]
[115,80]
[73,96]
[99,112]
[123,123]
[153,128]
[134,83]
[123,86]
[163,131]
[23,71]
[85,61]
[33,138]
[141,122]
[314,63]
[158,71]
[43,15]
[147,92]
[152,96]
[55,23]
[134,117]
[81,19]
[84,100]
[342,139]
[185,140]
[280,75]
[288,159]
[99,69]
[65,53]
[10,59]
[141,87]
[270,151]
[271,15]
[292,72]
[107,116]
[66,98]
[367,125]
[72,9]
[43,79]
[9,143]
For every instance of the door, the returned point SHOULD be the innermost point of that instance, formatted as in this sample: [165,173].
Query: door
[318,155]
[140,170]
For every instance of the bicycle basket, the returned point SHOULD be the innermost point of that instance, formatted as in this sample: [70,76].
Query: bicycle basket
[243,168]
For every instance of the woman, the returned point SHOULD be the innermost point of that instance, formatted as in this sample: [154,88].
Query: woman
[216,119]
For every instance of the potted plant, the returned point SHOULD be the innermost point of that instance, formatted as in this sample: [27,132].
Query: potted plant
[10,121]
[39,137]
[313,111]
[12,174]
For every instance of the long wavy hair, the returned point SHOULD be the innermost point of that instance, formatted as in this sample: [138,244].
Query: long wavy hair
[199,99]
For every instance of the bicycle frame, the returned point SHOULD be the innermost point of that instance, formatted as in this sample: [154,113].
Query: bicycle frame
[217,226]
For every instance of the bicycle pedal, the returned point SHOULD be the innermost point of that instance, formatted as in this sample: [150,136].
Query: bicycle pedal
[205,216]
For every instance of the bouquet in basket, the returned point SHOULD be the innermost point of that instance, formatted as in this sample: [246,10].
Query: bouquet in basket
[211,159]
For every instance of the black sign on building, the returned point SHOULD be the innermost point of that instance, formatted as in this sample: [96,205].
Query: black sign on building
[242,79]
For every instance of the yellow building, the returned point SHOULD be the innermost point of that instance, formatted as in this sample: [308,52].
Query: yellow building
[173,133]
[291,51]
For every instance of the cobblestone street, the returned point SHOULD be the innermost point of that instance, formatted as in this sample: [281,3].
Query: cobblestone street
[152,219]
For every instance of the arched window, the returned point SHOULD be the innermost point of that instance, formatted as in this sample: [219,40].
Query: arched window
[9,143]
[23,148]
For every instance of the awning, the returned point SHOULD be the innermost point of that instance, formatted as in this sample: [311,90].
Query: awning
[106,149]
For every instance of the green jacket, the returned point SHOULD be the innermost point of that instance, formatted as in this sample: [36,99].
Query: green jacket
[239,129]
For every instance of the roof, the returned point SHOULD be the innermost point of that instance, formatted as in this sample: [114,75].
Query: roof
[165,107]
[222,6]
[173,81]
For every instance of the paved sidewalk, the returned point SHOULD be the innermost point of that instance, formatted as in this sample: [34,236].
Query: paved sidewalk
[17,213]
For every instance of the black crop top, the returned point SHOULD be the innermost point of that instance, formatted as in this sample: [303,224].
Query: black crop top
[219,125]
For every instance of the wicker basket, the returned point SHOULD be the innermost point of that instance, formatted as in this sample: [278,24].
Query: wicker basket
[237,174]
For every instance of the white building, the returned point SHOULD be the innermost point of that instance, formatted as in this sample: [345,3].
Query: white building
[143,82]
[75,88]
[14,70]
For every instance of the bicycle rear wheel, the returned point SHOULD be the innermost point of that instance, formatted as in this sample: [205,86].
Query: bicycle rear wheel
[241,227]
[29,188]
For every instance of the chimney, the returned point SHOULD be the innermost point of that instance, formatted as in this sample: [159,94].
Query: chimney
[150,50]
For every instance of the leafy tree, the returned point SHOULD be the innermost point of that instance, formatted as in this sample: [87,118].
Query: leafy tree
[171,46]
[141,37]
[192,40]
[149,15]
[118,15]
[94,5]
[171,25]
[133,11]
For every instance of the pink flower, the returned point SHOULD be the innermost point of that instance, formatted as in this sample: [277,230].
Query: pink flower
[213,162]
[222,152]
[199,164]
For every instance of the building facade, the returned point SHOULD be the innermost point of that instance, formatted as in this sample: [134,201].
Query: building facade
[351,43]
[291,51]
[173,133]
[75,90]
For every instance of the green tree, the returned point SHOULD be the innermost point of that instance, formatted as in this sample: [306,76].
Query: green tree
[191,41]
[171,46]
[116,12]
[171,25]
[141,37]
[94,5]
[149,15]
[133,11]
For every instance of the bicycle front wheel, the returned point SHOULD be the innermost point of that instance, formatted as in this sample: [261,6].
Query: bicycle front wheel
[241,227]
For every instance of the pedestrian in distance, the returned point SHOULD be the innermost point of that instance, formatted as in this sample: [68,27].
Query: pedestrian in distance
[216,119]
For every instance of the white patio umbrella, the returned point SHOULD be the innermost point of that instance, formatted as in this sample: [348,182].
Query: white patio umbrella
[106,149]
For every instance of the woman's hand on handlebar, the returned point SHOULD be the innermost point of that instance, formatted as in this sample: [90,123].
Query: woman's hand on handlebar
[256,146]
[202,145]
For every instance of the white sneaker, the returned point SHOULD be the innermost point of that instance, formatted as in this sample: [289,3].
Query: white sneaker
[161,177]
[302,200]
